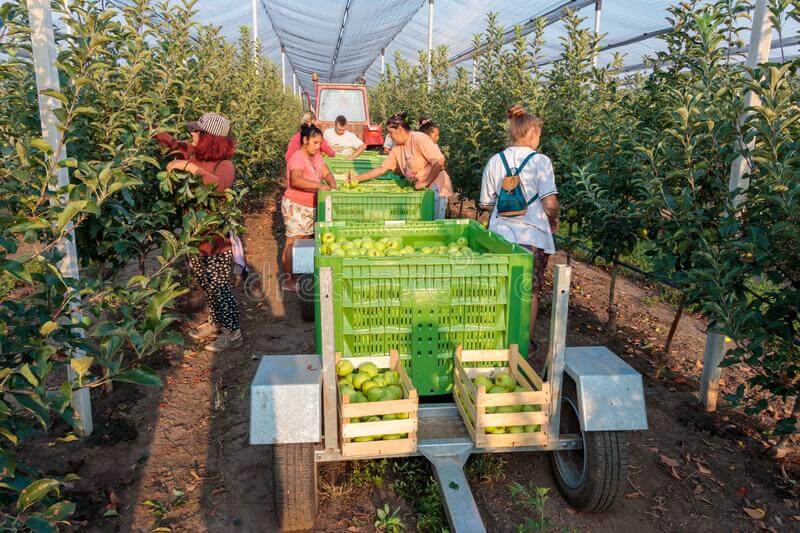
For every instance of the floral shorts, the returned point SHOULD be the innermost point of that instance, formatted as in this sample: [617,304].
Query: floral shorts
[298,219]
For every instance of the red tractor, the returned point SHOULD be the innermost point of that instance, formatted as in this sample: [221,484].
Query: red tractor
[349,100]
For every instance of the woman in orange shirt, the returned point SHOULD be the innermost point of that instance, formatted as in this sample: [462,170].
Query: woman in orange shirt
[414,155]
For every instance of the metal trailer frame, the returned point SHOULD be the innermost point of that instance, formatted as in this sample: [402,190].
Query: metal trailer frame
[606,396]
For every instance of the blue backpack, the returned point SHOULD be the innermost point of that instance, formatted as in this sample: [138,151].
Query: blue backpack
[511,200]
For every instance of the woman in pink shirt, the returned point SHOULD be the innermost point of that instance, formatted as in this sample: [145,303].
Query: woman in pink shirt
[414,155]
[294,145]
[306,173]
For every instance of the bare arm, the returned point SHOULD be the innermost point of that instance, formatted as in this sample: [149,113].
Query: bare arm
[550,205]
[329,177]
[299,182]
[436,168]
[372,174]
[360,150]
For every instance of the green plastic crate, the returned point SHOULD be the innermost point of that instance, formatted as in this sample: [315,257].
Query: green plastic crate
[374,206]
[361,164]
[424,306]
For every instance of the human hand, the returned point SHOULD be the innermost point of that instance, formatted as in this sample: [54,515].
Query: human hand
[178,164]
[555,223]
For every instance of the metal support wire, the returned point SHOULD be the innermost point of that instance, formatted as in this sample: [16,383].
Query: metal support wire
[342,27]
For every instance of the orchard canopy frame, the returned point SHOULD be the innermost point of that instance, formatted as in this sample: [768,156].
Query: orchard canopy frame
[346,40]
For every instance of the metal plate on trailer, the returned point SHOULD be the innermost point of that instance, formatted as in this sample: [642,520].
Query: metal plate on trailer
[286,400]
[303,256]
[610,391]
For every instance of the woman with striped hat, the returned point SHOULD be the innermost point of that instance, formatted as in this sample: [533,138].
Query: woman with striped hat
[209,155]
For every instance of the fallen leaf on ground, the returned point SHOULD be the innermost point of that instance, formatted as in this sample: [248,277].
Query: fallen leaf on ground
[669,461]
[756,514]
[633,495]
[698,489]
[703,470]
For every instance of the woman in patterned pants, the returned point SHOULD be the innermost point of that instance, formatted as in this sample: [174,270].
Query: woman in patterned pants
[209,156]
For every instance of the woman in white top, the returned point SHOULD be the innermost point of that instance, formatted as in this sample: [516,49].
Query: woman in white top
[535,228]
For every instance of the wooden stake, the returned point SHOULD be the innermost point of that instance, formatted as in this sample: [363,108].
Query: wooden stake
[611,324]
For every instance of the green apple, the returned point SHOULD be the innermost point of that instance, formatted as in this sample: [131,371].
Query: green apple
[392,377]
[393,253]
[363,439]
[394,436]
[368,368]
[401,416]
[497,389]
[367,385]
[496,429]
[394,392]
[531,428]
[344,367]
[346,389]
[324,250]
[483,380]
[358,397]
[379,380]
[426,250]
[373,419]
[347,245]
[372,252]
[393,244]
[380,246]
[389,417]
[360,378]
[339,252]
[334,246]
[491,410]
[408,249]
[516,429]
[505,409]
[353,252]
[376,394]
[462,241]
[328,237]
[369,245]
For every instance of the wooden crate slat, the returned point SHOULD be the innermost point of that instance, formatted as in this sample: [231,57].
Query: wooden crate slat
[381,361]
[514,419]
[464,417]
[384,427]
[483,356]
[529,372]
[510,440]
[465,380]
[379,447]
[515,398]
[388,407]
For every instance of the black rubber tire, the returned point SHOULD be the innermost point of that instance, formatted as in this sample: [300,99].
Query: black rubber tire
[295,490]
[305,292]
[605,462]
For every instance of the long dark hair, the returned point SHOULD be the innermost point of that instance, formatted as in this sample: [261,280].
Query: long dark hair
[309,130]
[427,126]
[398,120]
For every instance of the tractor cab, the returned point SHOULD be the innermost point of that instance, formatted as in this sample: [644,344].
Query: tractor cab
[349,100]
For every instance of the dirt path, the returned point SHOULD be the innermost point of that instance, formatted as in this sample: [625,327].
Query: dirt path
[178,457]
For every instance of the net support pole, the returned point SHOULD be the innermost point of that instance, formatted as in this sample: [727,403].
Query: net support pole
[598,10]
[283,67]
[383,61]
[255,29]
[43,47]
[474,70]
[757,52]
[294,83]
[430,43]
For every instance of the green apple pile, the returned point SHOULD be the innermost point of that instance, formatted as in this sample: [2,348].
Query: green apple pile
[380,186]
[503,382]
[370,384]
[390,247]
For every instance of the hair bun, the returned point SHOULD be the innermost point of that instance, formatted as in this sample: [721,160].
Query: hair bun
[515,111]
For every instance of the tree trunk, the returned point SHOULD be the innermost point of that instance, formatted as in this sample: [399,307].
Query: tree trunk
[661,363]
[461,206]
[674,327]
[612,308]
[781,450]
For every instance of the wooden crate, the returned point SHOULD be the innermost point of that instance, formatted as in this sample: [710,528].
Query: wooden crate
[408,404]
[472,401]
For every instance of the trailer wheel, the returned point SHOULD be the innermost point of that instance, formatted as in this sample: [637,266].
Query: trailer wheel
[295,490]
[305,292]
[590,479]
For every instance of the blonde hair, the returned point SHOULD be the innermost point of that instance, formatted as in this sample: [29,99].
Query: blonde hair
[520,123]
[308,116]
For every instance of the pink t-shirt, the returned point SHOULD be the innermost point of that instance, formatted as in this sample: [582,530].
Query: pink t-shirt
[313,169]
[294,145]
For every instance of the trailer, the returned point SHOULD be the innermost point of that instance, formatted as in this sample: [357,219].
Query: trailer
[589,399]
